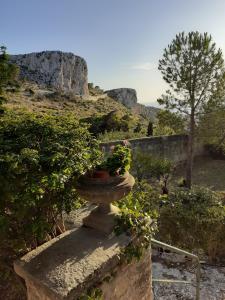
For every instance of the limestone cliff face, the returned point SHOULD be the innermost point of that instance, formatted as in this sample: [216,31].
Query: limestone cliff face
[126,96]
[59,70]
[149,112]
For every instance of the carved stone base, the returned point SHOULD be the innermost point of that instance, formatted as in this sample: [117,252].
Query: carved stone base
[102,218]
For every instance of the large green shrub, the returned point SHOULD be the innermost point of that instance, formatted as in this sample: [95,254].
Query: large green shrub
[143,199]
[148,166]
[40,159]
[169,123]
[115,121]
[194,219]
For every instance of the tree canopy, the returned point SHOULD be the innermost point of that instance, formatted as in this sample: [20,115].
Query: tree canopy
[194,70]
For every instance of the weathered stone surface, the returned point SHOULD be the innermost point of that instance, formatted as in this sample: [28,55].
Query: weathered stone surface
[67,266]
[59,70]
[126,96]
[136,275]
[177,267]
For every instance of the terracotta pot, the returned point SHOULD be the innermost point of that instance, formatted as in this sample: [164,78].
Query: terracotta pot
[112,188]
[103,174]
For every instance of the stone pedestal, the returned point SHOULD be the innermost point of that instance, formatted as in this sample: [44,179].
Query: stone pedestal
[80,259]
[103,192]
[102,218]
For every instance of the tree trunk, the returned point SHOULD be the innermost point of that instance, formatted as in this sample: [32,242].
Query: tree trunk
[190,151]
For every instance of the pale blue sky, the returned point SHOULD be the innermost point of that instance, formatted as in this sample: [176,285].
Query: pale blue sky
[121,40]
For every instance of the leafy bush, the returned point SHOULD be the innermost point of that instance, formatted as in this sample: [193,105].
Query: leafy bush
[40,158]
[147,166]
[143,199]
[139,211]
[194,219]
[115,121]
[169,123]
[216,151]
[163,130]
[190,219]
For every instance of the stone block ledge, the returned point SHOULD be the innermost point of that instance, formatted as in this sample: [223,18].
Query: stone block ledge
[70,264]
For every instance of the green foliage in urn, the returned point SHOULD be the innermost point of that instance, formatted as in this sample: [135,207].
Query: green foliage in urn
[40,158]
[119,161]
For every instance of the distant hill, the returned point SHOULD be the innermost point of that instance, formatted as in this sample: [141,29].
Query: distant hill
[32,97]
[148,112]
[128,97]
[56,81]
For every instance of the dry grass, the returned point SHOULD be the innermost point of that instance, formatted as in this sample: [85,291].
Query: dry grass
[32,98]
[207,172]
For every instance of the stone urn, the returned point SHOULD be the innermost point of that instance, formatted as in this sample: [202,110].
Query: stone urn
[102,190]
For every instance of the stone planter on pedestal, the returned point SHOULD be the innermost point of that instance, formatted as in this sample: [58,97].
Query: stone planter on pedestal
[103,191]
[79,260]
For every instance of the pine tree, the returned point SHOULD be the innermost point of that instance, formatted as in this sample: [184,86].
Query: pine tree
[194,71]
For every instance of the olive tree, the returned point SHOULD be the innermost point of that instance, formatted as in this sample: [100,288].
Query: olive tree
[194,71]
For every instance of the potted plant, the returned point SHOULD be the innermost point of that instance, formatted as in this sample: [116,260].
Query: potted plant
[109,182]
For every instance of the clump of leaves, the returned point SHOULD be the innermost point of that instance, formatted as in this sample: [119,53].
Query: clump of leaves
[139,211]
[148,166]
[194,219]
[169,123]
[92,294]
[118,161]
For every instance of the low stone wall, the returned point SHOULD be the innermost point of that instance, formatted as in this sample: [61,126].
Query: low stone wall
[173,147]
[81,259]
[131,282]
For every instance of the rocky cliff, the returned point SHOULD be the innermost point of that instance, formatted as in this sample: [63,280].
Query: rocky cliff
[59,70]
[148,112]
[126,96]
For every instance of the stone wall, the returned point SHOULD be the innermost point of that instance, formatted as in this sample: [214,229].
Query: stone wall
[173,147]
[69,266]
[55,69]
[131,282]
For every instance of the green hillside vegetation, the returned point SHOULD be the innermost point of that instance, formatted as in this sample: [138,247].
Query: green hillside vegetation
[104,114]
